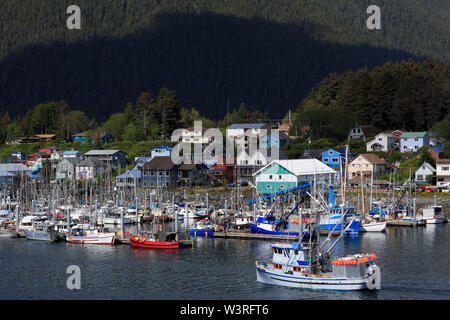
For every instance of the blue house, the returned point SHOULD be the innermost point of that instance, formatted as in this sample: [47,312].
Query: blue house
[334,157]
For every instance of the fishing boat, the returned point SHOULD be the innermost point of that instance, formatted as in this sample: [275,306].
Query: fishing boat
[241,222]
[270,224]
[204,228]
[307,265]
[339,219]
[433,214]
[90,234]
[43,232]
[155,240]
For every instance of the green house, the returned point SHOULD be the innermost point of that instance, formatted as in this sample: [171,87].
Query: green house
[281,175]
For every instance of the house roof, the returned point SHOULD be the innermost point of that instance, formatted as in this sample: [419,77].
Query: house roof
[191,166]
[159,163]
[44,136]
[72,152]
[372,158]
[13,167]
[443,161]
[426,164]
[301,166]
[413,134]
[248,126]
[130,174]
[101,152]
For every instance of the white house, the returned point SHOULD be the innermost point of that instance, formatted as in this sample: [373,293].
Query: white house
[281,175]
[442,172]
[381,142]
[424,171]
[413,141]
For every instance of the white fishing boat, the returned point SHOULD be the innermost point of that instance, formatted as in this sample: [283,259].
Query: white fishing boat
[291,267]
[433,214]
[308,264]
[90,234]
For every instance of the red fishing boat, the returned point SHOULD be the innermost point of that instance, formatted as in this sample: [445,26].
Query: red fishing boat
[146,240]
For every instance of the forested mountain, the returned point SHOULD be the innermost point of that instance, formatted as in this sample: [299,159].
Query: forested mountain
[213,53]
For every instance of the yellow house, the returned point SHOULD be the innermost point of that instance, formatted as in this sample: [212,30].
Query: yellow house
[366,164]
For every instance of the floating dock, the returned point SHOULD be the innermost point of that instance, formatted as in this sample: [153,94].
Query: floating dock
[402,223]
[252,236]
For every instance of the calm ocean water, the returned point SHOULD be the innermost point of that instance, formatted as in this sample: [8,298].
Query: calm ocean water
[415,265]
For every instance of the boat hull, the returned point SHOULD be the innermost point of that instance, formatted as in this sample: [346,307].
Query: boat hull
[373,227]
[107,239]
[259,230]
[268,277]
[434,220]
[41,236]
[352,229]
[135,242]
[202,233]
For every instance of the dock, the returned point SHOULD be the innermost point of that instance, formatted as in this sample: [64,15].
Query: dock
[252,236]
[401,223]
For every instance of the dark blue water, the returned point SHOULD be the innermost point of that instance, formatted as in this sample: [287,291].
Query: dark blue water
[415,265]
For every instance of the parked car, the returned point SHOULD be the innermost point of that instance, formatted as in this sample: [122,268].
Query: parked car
[428,189]
[420,189]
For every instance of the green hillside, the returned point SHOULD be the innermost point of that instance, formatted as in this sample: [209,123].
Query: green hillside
[268,54]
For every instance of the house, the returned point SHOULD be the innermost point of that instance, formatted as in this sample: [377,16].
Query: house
[423,172]
[193,135]
[413,141]
[162,151]
[365,164]
[362,132]
[57,156]
[17,157]
[90,137]
[91,168]
[131,179]
[160,172]
[113,158]
[272,140]
[442,172]
[335,157]
[434,152]
[192,174]
[15,168]
[72,154]
[223,170]
[239,133]
[66,168]
[247,162]
[381,142]
[281,175]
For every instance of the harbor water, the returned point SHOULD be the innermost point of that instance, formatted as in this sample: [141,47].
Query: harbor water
[415,264]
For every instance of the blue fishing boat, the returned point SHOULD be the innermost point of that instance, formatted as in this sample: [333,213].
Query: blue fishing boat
[204,228]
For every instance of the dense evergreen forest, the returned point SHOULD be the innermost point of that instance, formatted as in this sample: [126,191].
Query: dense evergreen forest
[406,96]
[212,53]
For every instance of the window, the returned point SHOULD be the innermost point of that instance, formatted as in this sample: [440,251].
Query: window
[416,139]
[279,177]
[277,266]
[330,152]
[444,168]
[335,160]
[268,186]
[270,177]
[282,186]
[325,159]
